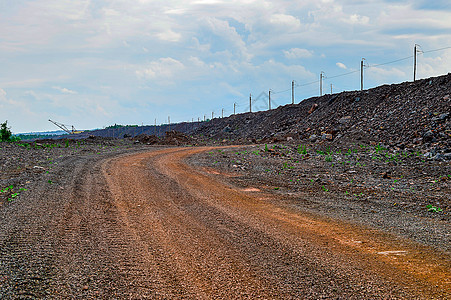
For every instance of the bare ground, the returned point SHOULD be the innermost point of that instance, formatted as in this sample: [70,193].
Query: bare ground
[129,225]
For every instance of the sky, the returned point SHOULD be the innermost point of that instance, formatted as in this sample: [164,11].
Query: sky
[95,63]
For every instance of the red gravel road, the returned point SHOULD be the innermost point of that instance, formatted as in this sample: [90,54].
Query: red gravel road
[147,225]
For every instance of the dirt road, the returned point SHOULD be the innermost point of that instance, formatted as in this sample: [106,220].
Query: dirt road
[147,225]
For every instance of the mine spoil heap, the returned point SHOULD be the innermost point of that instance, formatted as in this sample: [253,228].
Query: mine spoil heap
[407,115]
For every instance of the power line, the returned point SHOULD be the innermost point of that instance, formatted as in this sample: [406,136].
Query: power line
[390,62]
[351,72]
[437,50]
[345,74]
[282,91]
[309,83]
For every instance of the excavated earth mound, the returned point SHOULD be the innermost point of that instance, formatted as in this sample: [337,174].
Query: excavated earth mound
[170,138]
[407,115]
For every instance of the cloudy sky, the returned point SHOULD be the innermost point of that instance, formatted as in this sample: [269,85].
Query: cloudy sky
[93,63]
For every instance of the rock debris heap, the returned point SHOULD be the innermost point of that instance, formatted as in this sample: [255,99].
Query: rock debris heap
[408,115]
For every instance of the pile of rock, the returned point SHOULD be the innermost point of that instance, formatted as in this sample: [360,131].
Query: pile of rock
[413,115]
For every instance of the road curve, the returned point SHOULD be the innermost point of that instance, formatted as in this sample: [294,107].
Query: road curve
[148,225]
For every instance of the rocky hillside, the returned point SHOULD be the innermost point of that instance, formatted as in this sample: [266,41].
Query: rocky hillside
[410,114]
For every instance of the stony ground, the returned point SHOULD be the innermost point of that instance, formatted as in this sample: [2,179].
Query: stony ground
[23,163]
[397,191]
[108,219]
[403,191]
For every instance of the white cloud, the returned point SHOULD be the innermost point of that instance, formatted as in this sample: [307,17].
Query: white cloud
[355,19]
[169,36]
[383,74]
[64,90]
[341,65]
[297,53]
[286,22]
[162,69]
[230,39]
[428,65]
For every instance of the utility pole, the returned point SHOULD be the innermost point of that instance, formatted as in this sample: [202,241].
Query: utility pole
[212,114]
[292,92]
[250,102]
[155,128]
[222,113]
[415,51]
[169,121]
[414,61]
[321,75]
[331,89]
[361,73]
[204,118]
[234,106]
[269,96]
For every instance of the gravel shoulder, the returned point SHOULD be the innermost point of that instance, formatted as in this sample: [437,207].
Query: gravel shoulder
[361,184]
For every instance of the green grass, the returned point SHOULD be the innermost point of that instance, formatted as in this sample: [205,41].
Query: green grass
[302,149]
[433,208]
[4,190]
[14,192]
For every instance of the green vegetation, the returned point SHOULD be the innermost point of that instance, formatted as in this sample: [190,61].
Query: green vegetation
[24,137]
[115,126]
[433,208]
[302,149]
[13,193]
[6,134]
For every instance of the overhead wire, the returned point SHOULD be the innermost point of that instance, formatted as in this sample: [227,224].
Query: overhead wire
[437,49]
[352,72]
[390,62]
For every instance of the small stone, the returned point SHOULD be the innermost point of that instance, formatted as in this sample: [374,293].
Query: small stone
[327,136]
[438,157]
[417,140]
[313,108]
[428,136]
[443,116]
[345,120]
